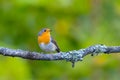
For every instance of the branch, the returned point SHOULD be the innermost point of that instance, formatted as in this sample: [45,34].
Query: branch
[71,56]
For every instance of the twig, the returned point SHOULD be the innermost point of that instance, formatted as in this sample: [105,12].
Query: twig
[72,56]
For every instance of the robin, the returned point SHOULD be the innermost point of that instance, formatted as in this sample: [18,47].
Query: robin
[46,42]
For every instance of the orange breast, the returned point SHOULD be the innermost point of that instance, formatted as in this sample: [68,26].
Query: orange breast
[44,38]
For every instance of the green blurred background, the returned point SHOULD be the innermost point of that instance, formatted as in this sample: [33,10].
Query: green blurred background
[75,24]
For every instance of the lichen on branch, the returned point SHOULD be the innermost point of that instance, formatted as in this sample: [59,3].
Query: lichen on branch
[71,56]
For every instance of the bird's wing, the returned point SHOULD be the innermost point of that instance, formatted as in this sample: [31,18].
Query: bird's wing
[53,41]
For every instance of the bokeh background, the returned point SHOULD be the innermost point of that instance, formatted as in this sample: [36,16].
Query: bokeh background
[75,24]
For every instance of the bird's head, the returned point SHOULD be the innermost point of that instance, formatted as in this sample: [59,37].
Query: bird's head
[44,31]
[44,36]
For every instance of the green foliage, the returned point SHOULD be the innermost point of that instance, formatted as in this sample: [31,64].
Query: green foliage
[75,24]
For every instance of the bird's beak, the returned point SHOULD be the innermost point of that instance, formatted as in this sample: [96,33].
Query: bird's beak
[49,30]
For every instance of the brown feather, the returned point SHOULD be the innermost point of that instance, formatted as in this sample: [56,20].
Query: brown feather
[58,49]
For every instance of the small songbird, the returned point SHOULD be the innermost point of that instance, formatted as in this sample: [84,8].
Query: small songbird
[46,42]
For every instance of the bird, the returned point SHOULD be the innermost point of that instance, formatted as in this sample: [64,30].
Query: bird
[46,42]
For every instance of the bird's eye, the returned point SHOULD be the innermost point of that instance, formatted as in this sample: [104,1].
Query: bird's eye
[44,30]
